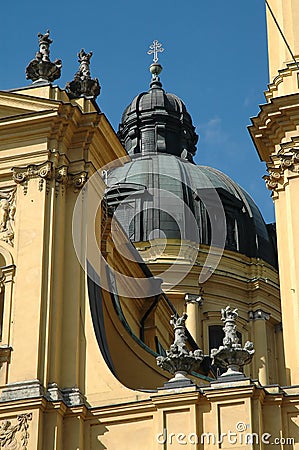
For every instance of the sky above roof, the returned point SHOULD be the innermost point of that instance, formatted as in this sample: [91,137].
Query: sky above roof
[215,59]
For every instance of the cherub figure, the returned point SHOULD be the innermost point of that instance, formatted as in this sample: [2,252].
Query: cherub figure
[7,435]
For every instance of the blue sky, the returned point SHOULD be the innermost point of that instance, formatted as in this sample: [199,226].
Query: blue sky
[215,59]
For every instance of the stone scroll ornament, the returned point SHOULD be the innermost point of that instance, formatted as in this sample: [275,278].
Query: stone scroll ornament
[83,85]
[7,215]
[15,436]
[231,355]
[179,360]
[42,68]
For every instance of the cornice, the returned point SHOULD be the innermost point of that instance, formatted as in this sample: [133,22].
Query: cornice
[176,397]
[276,121]
[274,88]
[225,390]
[23,101]
[123,410]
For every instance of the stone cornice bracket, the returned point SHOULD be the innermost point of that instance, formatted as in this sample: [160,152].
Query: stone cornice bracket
[61,179]
[5,354]
[281,167]
[194,298]
[41,69]
[21,175]
[83,85]
[78,180]
[259,314]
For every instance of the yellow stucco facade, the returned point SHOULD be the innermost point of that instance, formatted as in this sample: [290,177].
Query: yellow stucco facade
[78,362]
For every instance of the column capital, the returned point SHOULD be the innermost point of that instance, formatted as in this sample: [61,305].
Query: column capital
[259,314]
[275,124]
[282,165]
[194,298]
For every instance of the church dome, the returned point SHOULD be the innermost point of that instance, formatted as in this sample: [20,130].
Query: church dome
[161,193]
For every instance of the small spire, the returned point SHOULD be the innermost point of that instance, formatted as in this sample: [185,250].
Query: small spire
[83,85]
[41,69]
[155,67]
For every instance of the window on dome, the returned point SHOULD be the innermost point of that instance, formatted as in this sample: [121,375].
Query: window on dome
[232,237]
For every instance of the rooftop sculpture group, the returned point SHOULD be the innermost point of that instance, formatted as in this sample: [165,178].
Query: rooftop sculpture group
[181,362]
[42,70]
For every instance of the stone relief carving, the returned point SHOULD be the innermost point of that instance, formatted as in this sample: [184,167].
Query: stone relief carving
[7,215]
[15,437]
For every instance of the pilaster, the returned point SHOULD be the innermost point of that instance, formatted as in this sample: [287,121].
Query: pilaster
[193,308]
[275,134]
[260,359]
[286,13]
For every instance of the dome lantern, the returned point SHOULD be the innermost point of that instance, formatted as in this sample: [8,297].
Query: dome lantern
[157,121]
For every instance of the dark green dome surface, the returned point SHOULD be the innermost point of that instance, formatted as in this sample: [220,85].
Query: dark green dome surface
[160,195]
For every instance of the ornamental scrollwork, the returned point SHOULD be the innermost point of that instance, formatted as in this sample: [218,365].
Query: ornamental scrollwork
[280,162]
[78,180]
[15,436]
[21,175]
[7,215]
[45,172]
[61,179]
